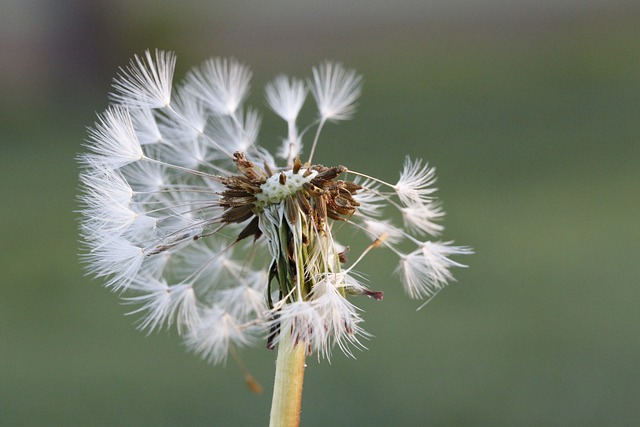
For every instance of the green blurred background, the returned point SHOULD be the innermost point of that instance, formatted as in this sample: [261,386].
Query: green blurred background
[529,110]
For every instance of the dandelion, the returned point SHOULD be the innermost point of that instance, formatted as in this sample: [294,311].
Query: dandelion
[199,228]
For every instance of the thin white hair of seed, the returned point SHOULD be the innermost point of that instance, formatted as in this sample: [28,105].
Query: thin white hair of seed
[419,218]
[113,140]
[223,84]
[285,96]
[146,82]
[416,181]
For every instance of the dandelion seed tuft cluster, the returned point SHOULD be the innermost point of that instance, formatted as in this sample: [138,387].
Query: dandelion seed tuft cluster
[201,229]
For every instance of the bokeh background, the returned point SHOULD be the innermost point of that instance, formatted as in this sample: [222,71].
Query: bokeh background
[529,110]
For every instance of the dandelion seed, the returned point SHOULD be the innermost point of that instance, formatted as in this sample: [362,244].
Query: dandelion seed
[113,141]
[419,218]
[335,90]
[223,84]
[146,83]
[415,185]
[285,97]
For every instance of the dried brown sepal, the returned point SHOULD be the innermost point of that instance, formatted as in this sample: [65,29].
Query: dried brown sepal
[342,256]
[312,189]
[327,174]
[158,249]
[232,202]
[297,164]
[320,212]
[339,207]
[335,215]
[340,201]
[347,191]
[235,192]
[351,187]
[248,169]
[241,183]
[291,210]
[252,229]
[303,203]
[238,213]
[376,295]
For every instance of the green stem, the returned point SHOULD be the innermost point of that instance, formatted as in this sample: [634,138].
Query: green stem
[287,387]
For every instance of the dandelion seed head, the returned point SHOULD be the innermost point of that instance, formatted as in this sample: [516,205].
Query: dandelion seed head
[200,229]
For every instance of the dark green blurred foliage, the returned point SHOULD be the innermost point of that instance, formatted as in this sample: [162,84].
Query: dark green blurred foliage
[534,127]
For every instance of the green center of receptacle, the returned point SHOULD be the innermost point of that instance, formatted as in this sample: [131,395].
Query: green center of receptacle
[278,186]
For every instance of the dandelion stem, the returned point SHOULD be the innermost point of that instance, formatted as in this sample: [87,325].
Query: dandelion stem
[287,387]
